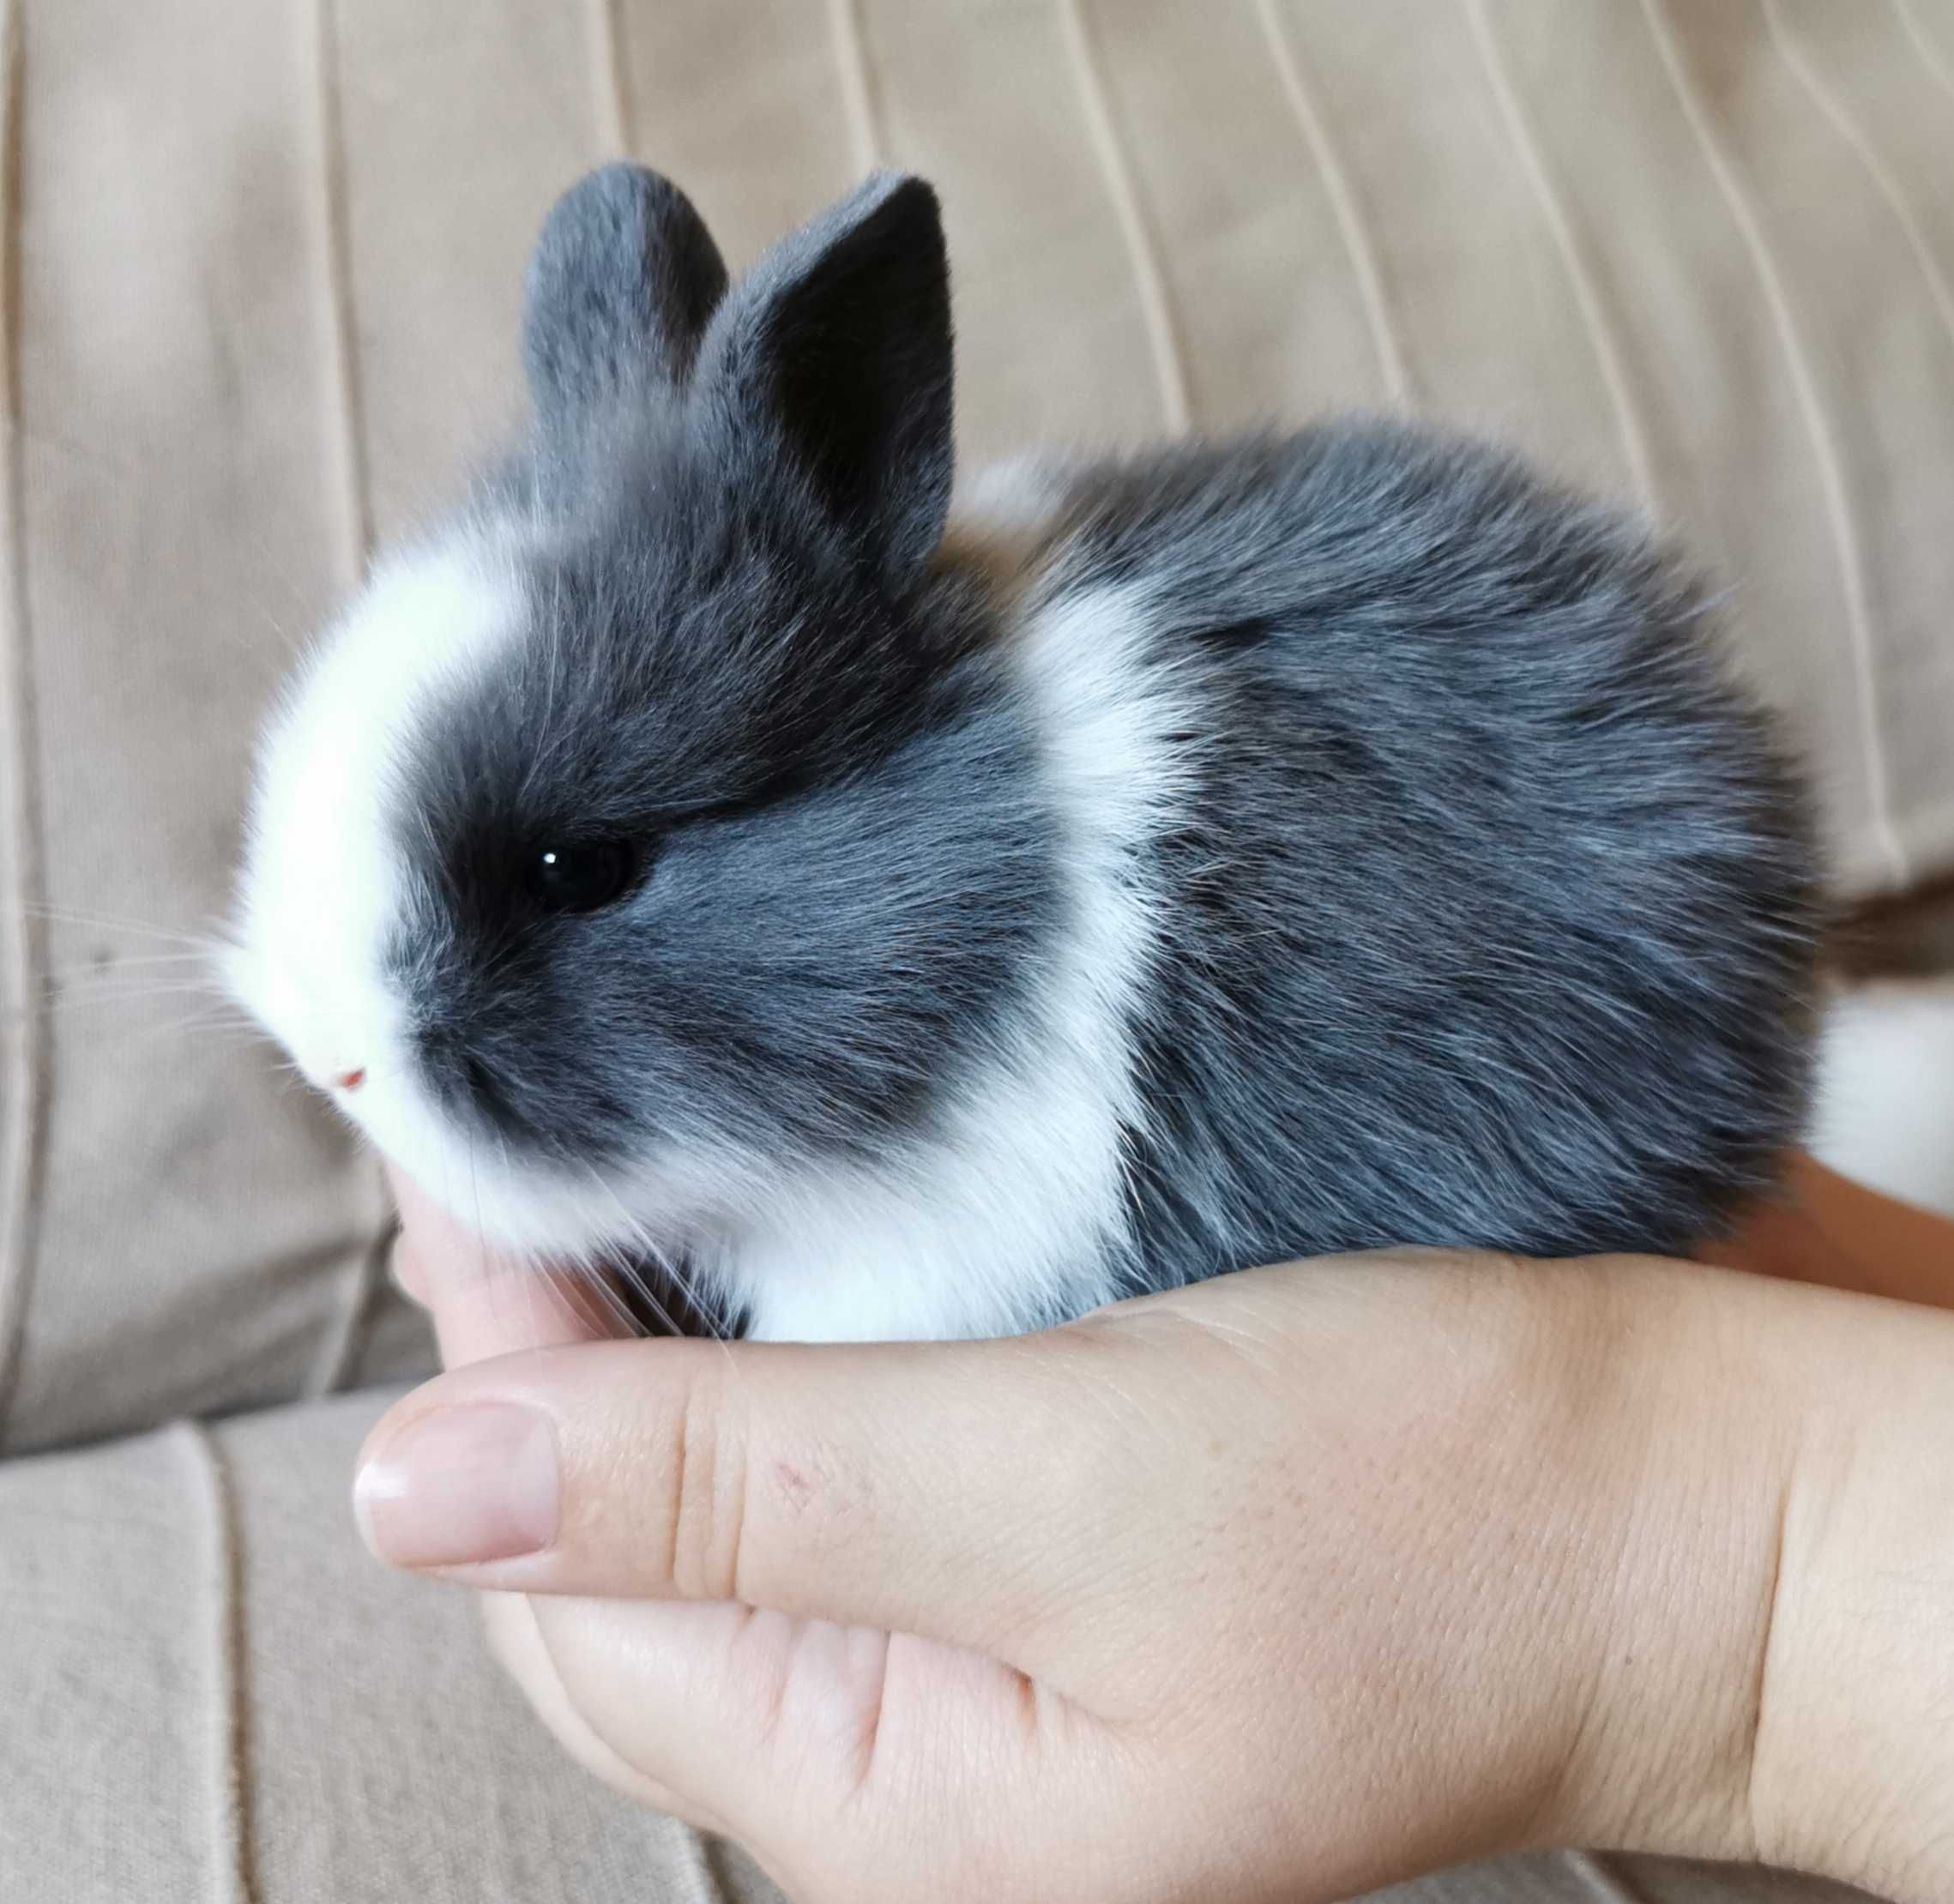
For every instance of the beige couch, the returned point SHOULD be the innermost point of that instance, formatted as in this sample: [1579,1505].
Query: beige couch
[260,265]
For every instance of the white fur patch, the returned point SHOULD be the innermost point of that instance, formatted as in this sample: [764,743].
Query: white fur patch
[321,884]
[1885,1101]
[1019,1215]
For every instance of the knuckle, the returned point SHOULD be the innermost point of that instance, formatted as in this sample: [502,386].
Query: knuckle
[752,1495]
[709,1497]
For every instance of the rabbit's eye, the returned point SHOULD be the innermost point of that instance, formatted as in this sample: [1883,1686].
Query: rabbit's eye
[581,878]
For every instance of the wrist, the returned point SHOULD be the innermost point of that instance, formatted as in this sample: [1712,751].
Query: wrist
[1854,1758]
[1768,1626]
[1678,1443]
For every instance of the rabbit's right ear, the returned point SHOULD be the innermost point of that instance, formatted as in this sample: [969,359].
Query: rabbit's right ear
[620,286]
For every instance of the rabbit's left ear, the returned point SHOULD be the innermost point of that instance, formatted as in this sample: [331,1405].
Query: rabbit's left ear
[620,287]
[835,352]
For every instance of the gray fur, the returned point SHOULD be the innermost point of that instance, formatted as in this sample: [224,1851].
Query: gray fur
[1494,922]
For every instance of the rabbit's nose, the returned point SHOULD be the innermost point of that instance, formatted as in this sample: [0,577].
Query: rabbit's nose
[350,1081]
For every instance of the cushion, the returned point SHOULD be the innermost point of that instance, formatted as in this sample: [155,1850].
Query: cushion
[261,277]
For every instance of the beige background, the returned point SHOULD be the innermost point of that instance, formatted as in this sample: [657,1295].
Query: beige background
[259,272]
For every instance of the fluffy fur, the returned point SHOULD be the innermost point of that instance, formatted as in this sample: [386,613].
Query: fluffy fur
[1232,854]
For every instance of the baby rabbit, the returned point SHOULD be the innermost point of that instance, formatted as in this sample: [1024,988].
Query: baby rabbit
[704,850]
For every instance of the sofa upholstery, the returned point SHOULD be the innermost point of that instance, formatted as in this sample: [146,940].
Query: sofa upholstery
[259,265]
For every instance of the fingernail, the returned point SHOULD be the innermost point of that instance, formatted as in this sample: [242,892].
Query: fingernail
[461,1485]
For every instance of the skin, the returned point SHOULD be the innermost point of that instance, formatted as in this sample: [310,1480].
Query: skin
[1283,1587]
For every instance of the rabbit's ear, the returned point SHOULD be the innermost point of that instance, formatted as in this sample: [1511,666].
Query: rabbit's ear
[837,351]
[620,287]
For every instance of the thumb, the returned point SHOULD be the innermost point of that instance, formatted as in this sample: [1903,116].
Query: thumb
[940,1489]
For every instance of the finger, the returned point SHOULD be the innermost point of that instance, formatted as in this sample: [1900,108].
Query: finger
[486,1301]
[645,1705]
[822,1746]
[954,1490]
[510,1621]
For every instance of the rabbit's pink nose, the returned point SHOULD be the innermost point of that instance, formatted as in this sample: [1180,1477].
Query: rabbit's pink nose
[350,1081]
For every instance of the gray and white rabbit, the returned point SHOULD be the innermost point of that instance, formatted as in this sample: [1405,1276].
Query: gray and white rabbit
[707,850]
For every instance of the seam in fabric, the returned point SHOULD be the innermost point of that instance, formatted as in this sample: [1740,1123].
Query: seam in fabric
[699,1864]
[1604,1877]
[338,1358]
[1854,134]
[1344,208]
[232,1855]
[1156,308]
[26,1085]
[1818,430]
[1581,277]
[714,1887]
[859,107]
[610,91]
[347,394]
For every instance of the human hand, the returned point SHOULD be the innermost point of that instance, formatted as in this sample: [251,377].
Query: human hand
[1288,1585]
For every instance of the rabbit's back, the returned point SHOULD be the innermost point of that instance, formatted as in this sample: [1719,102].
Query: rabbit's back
[1485,902]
